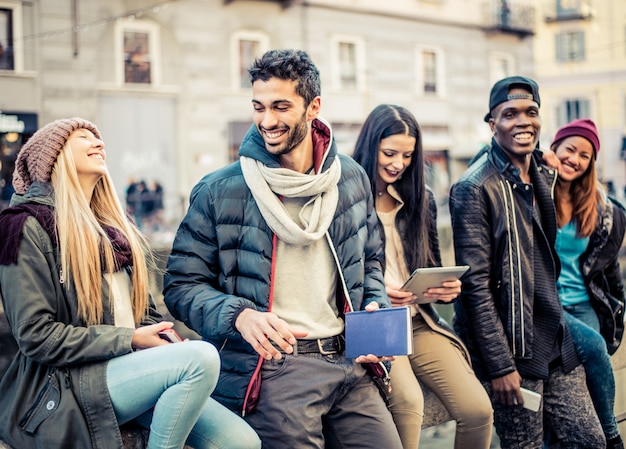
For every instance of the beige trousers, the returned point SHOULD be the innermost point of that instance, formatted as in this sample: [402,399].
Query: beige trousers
[440,365]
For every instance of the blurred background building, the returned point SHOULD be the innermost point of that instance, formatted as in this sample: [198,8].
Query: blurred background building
[580,65]
[166,81]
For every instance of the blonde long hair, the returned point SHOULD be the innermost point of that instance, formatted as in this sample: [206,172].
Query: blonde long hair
[83,242]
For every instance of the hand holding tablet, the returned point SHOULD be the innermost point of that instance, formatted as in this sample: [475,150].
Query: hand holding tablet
[424,278]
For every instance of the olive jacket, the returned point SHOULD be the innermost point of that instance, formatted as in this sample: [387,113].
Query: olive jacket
[54,394]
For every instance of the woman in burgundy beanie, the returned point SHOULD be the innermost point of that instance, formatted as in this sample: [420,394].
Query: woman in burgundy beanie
[74,282]
[582,127]
[591,230]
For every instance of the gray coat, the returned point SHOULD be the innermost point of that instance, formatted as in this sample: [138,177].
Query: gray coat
[54,394]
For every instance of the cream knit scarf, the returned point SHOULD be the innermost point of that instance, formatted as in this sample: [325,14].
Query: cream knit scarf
[266,183]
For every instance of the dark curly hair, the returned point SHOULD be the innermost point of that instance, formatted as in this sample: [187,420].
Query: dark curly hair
[292,65]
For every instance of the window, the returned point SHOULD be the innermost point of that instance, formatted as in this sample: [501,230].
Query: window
[236,132]
[566,8]
[570,46]
[245,47]
[430,71]
[348,63]
[6,39]
[572,109]
[429,59]
[138,50]
[501,65]
[10,27]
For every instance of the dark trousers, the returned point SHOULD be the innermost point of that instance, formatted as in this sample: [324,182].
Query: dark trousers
[566,418]
[321,401]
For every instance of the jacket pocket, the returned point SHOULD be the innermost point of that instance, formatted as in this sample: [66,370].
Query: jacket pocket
[45,405]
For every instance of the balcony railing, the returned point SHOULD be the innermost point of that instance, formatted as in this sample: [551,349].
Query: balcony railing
[283,3]
[560,11]
[507,16]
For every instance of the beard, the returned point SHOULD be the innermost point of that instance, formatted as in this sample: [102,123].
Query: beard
[295,136]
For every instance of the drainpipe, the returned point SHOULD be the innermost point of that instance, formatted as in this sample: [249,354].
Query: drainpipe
[75,27]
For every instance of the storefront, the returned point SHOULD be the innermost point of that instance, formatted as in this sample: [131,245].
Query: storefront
[15,129]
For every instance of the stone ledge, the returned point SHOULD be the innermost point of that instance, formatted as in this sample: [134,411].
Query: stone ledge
[434,411]
[132,437]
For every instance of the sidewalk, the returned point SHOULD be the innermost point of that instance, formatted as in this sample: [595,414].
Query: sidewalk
[442,437]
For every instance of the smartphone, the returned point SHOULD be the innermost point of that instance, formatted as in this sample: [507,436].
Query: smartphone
[532,400]
[170,335]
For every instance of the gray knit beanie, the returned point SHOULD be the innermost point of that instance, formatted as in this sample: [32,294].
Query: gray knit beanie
[36,158]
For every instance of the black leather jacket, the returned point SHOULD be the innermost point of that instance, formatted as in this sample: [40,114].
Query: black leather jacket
[495,233]
[602,274]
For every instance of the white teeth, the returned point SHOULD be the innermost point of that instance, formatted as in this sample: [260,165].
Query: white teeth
[273,134]
[96,156]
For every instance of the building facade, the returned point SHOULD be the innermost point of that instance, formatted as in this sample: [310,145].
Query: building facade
[580,64]
[166,81]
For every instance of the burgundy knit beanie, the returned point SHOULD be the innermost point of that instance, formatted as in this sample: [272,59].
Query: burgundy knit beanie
[37,156]
[582,127]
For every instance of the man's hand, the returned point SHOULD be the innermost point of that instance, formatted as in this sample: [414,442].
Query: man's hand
[371,358]
[258,328]
[506,389]
[550,159]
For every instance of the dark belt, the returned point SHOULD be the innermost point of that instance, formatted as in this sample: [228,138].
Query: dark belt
[324,346]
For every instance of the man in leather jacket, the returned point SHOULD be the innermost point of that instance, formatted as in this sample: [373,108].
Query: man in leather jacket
[509,314]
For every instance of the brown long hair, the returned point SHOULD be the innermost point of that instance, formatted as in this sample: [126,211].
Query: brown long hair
[587,196]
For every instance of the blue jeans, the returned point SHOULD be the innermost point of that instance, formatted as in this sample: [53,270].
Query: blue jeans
[167,388]
[584,327]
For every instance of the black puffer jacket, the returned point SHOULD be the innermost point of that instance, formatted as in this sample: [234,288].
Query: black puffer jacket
[506,324]
[602,274]
[221,261]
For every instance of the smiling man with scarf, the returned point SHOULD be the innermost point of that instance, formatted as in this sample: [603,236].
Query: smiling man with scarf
[273,251]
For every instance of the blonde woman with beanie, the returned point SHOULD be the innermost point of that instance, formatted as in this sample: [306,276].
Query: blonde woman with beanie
[74,281]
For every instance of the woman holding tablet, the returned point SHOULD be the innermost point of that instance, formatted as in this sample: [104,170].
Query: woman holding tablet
[389,148]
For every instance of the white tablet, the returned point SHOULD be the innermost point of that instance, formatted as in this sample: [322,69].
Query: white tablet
[424,278]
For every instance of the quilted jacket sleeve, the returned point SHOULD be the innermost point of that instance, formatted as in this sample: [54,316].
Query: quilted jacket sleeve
[192,290]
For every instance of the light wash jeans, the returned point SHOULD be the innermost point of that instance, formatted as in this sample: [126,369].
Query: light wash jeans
[167,388]
[584,327]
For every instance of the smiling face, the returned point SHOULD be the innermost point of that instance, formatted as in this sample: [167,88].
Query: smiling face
[395,154]
[575,154]
[281,116]
[516,125]
[88,155]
